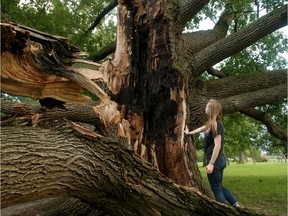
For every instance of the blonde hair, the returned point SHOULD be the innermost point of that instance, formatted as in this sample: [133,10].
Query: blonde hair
[214,113]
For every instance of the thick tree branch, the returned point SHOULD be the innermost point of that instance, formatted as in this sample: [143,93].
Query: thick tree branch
[64,206]
[196,41]
[104,52]
[230,45]
[217,73]
[187,10]
[253,99]
[273,128]
[261,80]
[105,11]
[224,22]
[25,111]
[98,171]
[244,83]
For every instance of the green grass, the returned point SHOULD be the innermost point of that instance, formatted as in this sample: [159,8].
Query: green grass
[262,187]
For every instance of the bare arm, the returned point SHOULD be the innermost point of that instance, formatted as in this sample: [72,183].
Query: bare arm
[198,130]
[217,147]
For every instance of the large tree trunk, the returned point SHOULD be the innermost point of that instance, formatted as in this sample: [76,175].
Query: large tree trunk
[241,157]
[151,88]
[66,159]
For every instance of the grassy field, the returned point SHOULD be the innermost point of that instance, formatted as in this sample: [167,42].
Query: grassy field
[262,187]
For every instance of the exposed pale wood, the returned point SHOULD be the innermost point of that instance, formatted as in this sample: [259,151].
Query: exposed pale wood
[145,115]
[116,71]
[38,69]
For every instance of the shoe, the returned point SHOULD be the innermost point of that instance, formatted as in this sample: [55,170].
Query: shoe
[236,205]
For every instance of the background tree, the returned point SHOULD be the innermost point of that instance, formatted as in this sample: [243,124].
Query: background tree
[241,135]
[155,79]
[255,154]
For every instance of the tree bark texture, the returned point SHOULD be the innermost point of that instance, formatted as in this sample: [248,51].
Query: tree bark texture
[152,90]
[61,160]
[230,45]
[150,86]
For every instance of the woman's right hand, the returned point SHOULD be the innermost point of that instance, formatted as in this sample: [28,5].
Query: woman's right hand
[186,130]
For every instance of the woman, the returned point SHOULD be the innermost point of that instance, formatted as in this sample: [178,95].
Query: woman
[213,145]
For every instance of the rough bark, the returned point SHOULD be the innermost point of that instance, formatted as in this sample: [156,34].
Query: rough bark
[262,79]
[196,41]
[243,83]
[241,91]
[187,10]
[18,113]
[253,99]
[230,45]
[149,83]
[63,161]
[62,206]
[193,42]
[146,106]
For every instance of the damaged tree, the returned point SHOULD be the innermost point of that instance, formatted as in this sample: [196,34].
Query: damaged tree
[145,97]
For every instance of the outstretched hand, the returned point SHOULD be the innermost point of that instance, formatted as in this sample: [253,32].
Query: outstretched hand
[186,129]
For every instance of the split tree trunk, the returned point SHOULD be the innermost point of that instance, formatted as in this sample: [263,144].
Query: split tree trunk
[147,109]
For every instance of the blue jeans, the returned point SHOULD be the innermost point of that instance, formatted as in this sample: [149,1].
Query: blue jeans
[221,193]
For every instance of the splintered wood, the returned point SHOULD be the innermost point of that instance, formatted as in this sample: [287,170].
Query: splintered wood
[39,65]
